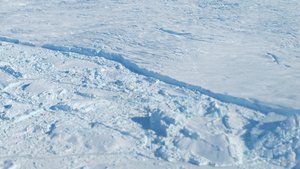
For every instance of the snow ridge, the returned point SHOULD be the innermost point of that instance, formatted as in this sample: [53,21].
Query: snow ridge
[248,103]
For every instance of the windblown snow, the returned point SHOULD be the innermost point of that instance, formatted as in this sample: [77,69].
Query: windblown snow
[92,84]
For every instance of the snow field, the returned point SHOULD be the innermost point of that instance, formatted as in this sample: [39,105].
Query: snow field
[75,109]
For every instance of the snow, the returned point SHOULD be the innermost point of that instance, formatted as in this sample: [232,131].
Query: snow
[160,84]
[212,44]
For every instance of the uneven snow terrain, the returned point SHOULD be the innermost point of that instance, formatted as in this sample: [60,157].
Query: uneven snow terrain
[163,84]
[248,49]
[81,111]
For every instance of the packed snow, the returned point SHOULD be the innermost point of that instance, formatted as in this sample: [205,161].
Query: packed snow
[93,84]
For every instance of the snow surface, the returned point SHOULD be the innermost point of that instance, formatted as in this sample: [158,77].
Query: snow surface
[247,49]
[160,84]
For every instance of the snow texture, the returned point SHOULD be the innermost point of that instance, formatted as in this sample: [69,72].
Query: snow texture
[137,84]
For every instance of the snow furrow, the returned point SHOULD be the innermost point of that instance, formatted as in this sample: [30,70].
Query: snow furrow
[248,103]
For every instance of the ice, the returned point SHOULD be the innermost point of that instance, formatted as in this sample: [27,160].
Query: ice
[218,45]
[149,84]
[92,106]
